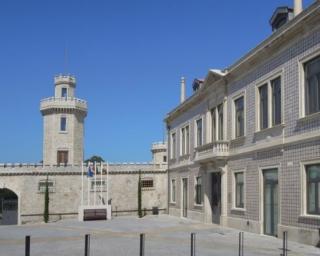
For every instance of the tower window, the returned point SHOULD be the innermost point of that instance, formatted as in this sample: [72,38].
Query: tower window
[64,93]
[62,157]
[63,124]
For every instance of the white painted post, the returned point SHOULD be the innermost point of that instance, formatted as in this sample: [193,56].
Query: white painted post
[101,187]
[88,185]
[81,184]
[108,184]
[95,184]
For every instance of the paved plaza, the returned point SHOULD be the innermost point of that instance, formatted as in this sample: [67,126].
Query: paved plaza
[165,235]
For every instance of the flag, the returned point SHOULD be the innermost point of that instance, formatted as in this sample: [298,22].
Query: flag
[90,172]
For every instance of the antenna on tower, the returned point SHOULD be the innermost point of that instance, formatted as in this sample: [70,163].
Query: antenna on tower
[65,68]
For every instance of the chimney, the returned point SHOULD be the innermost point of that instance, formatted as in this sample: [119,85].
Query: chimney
[182,89]
[297,7]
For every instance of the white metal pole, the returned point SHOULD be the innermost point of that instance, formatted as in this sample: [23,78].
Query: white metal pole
[81,184]
[95,184]
[101,185]
[88,186]
[107,183]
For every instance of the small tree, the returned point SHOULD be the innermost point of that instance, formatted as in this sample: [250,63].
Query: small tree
[140,214]
[46,202]
[93,159]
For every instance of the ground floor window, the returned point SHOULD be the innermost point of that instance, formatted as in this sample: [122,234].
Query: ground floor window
[239,189]
[198,188]
[147,183]
[42,186]
[313,188]
[98,185]
[173,191]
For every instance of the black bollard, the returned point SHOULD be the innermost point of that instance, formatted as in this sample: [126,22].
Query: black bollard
[87,245]
[193,244]
[27,247]
[285,244]
[142,240]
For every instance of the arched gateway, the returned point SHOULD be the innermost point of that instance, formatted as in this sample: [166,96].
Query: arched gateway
[8,207]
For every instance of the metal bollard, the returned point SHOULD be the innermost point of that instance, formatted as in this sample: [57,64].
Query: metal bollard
[142,240]
[241,235]
[285,244]
[27,247]
[87,245]
[193,244]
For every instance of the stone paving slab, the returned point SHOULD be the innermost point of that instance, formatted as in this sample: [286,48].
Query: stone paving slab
[165,235]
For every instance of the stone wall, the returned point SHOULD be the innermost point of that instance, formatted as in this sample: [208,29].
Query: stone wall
[65,198]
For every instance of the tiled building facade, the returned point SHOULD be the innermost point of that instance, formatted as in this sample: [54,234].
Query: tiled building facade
[244,149]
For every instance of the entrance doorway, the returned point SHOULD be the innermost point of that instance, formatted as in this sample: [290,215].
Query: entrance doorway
[270,201]
[8,207]
[216,197]
[185,197]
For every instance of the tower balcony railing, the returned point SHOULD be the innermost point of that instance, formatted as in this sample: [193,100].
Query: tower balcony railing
[63,102]
[211,151]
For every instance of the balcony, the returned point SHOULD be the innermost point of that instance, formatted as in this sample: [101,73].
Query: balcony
[63,103]
[211,151]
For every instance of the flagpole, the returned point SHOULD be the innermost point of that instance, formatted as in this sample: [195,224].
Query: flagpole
[95,184]
[81,184]
[101,185]
[88,179]
[107,183]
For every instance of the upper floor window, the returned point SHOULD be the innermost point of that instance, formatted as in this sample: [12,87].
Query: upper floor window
[63,124]
[276,100]
[220,122]
[64,92]
[270,101]
[312,86]
[199,132]
[185,140]
[313,188]
[263,94]
[198,190]
[173,146]
[213,125]
[239,117]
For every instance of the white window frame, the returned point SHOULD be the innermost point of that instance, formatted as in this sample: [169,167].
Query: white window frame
[302,96]
[267,80]
[195,190]
[185,151]
[196,131]
[175,192]
[173,150]
[234,172]
[233,114]
[303,188]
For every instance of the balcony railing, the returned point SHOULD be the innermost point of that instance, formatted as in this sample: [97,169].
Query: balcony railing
[67,102]
[217,149]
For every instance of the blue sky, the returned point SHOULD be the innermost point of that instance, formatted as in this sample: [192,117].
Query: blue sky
[127,56]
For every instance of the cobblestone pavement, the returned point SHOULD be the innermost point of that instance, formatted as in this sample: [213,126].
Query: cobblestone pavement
[165,235]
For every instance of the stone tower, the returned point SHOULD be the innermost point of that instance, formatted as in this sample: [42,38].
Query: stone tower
[63,124]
